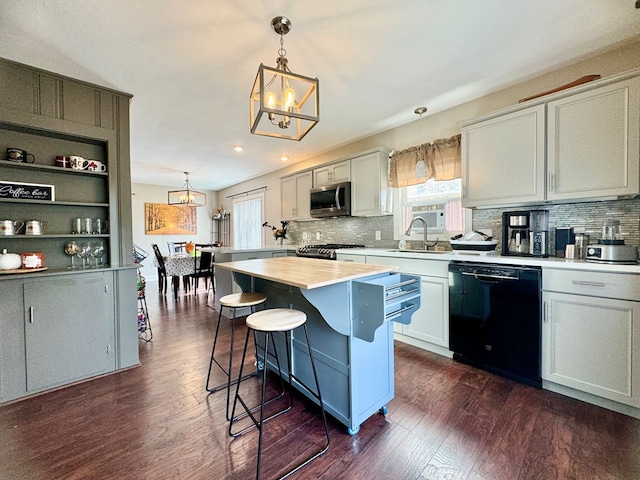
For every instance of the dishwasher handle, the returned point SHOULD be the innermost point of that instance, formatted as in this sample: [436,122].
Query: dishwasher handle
[488,277]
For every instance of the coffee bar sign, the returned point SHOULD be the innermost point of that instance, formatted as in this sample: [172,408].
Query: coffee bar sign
[26,191]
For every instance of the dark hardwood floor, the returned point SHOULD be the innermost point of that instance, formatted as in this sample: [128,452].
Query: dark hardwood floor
[447,421]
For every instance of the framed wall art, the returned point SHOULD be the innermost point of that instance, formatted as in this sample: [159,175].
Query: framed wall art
[163,219]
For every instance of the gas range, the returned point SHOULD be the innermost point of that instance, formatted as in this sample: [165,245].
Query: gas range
[326,251]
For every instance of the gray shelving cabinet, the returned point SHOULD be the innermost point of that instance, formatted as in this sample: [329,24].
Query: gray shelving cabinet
[49,115]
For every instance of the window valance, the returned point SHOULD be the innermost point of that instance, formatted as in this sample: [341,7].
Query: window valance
[440,160]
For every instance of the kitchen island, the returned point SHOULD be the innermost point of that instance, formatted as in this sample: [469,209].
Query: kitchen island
[350,308]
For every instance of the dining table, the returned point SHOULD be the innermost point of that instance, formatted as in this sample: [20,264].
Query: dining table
[178,265]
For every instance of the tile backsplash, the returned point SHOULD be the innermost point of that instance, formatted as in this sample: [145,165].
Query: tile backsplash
[355,230]
[583,217]
[586,217]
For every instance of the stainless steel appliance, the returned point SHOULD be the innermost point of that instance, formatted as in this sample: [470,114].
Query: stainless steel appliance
[326,251]
[525,233]
[621,254]
[611,247]
[331,200]
[494,318]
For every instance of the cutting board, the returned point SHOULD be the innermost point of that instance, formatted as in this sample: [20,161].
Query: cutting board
[22,270]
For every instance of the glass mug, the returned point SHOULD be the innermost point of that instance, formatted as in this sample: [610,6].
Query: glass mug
[100,226]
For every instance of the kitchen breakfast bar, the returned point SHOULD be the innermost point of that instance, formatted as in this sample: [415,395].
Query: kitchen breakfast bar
[349,308]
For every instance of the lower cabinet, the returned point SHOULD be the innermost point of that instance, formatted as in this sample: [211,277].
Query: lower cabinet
[57,329]
[431,322]
[591,342]
[69,329]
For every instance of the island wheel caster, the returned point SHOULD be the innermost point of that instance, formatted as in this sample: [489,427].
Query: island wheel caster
[383,410]
[354,430]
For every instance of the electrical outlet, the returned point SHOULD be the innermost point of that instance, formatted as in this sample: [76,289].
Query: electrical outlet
[318,235]
[378,235]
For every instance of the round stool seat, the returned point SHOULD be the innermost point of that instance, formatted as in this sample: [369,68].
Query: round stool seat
[235,300]
[276,320]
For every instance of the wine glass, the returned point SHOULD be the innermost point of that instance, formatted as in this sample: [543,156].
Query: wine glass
[97,251]
[72,249]
[84,253]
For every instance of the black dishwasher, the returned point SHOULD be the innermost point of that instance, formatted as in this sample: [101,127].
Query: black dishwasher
[494,318]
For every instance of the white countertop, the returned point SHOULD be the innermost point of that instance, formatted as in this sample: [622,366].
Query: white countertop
[549,262]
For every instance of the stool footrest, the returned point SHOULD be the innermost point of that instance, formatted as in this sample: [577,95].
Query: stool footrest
[224,385]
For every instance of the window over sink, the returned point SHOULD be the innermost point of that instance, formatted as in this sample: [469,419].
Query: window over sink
[439,203]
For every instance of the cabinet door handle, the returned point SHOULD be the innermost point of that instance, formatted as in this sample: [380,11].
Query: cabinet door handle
[588,284]
[106,289]
[551,180]
[545,317]
[31,314]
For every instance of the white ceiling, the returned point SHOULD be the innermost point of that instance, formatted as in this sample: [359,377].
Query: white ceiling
[190,65]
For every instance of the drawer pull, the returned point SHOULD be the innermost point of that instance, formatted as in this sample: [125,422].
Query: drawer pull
[589,284]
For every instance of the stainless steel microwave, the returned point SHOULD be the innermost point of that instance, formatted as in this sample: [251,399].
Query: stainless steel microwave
[331,200]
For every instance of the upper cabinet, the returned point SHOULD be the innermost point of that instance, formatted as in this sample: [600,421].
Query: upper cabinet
[581,143]
[38,92]
[295,199]
[593,142]
[333,173]
[503,159]
[370,193]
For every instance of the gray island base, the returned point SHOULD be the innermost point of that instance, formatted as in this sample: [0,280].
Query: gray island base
[350,308]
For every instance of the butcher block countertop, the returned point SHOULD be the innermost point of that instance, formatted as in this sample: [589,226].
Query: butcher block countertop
[303,272]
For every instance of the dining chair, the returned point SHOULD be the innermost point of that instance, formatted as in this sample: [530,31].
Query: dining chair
[203,268]
[162,271]
[177,247]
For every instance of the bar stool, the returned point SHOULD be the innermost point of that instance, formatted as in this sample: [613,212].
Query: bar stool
[272,321]
[233,301]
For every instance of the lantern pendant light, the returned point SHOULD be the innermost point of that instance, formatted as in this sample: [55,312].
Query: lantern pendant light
[283,104]
[186,196]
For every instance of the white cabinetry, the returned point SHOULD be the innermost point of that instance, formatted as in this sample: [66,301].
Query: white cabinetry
[591,334]
[370,194]
[333,173]
[295,196]
[503,159]
[589,147]
[348,257]
[593,140]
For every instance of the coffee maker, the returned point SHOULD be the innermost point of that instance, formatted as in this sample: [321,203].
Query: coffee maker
[525,233]
[515,233]
[539,233]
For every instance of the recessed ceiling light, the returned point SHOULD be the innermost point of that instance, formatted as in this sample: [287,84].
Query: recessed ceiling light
[238,148]
[284,158]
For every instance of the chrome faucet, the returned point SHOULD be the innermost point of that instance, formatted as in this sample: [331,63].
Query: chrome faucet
[425,243]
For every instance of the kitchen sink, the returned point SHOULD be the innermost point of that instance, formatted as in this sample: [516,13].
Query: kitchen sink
[397,250]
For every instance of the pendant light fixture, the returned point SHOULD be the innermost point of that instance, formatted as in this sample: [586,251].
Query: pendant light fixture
[186,196]
[421,164]
[283,104]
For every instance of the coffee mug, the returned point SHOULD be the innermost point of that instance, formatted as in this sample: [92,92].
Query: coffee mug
[96,166]
[62,161]
[19,155]
[78,163]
